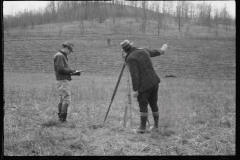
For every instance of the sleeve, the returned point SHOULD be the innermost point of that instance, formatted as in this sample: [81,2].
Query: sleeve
[59,64]
[134,74]
[154,53]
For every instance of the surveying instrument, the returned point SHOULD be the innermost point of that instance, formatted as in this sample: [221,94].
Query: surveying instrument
[128,105]
[129,101]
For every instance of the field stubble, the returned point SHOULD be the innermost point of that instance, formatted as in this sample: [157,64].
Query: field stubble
[198,55]
[197,103]
[197,117]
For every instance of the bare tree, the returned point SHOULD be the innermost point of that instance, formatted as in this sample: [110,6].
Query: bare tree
[113,11]
[216,20]
[225,17]
[192,10]
[32,19]
[123,8]
[178,11]
[102,13]
[144,18]
[151,8]
[200,13]
[91,12]
[136,10]
[86,10]
[209,10]
[60,17]
[169,7]
[203,13]
[163,16]
[186,16]
[159,18]
[81,17]
[52,7]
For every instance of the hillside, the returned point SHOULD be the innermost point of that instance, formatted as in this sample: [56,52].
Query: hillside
[197,105]
[194,55]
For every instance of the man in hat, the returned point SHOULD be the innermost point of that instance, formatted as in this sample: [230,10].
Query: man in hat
[144,81]
[63,75]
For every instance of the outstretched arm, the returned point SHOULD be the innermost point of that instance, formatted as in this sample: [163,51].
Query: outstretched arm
[154,53]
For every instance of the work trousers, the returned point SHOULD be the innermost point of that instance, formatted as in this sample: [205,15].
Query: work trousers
[64,91]
[150,96]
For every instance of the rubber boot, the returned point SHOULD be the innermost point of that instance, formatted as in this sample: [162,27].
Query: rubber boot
[142,129]
[59,110]
[59,116]
[156,119]
[63,117]
[64,112]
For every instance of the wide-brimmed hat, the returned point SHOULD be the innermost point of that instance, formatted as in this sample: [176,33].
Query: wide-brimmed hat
[69,45]
[125,45]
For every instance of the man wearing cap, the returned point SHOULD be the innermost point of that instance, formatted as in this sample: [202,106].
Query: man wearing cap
[144,81]
[63,75]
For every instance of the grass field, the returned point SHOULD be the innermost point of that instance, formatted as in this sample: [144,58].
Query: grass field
[196,118]
[197,105]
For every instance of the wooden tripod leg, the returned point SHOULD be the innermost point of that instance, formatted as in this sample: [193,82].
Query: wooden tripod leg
[114,92]
[129,102]
[126,108]
[125,116]
[129,99]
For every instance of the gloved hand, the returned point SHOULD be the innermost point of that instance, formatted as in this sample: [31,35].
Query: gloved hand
[164,47]
[77,73]
[135,94]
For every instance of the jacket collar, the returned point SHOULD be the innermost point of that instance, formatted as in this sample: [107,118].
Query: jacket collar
[63,53]
[129,52]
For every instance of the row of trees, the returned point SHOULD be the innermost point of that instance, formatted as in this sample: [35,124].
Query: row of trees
[204,14]
[182,12]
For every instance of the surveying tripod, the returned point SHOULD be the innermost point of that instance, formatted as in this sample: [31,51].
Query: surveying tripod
[129,100]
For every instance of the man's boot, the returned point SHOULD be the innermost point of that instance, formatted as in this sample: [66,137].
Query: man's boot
[142,129]
[156,119]
[64,112]
[59,110]
[59,116]
[63,117]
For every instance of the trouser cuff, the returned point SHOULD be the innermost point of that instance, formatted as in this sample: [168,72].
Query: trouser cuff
[143,114]
[155,113]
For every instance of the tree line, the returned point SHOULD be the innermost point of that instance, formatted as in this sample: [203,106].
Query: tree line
[183,13]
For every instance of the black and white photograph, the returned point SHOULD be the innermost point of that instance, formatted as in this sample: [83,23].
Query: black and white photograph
[119,78]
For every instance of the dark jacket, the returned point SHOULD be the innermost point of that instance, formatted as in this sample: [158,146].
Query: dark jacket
[141,68]
[61,68]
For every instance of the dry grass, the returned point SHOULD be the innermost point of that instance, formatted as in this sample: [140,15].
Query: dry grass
[196,96]
[196,118]
[197,55]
